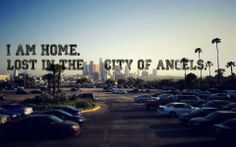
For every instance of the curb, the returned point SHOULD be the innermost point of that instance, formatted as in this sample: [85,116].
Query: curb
[91,110]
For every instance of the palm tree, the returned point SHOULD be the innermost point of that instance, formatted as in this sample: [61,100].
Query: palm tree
[184,61]
[199,51]
[217,41]
[52,68]
[209,64]
[220,72]
[231,64]
[59,70]
[48,77]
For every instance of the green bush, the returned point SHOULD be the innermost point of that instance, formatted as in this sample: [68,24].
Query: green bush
[39,103]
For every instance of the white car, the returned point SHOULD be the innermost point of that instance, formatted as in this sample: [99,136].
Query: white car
[175,109]
[142,98]
[119,91]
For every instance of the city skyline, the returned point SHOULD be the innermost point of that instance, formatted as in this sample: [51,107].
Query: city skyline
[133,29]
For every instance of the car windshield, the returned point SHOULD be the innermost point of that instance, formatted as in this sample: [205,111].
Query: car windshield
[56,119]
[66,113]
[231,122]
[212,115]
[196,112]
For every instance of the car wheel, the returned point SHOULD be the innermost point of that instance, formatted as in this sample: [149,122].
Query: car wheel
[173,114]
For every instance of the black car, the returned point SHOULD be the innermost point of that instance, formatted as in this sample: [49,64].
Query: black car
[71,110]
[226,130]
[65,116]
[15,107]
[40,126]
[215,103]
[211,119]
[197,113]
[12,114]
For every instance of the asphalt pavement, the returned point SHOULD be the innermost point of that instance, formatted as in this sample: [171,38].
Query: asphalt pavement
[122,123]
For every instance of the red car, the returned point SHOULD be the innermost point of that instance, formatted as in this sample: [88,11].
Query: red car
[162,99]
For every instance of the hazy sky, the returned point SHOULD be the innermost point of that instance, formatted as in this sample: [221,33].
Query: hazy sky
[122,29]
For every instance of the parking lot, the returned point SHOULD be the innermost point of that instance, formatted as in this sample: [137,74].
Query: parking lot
[121,122]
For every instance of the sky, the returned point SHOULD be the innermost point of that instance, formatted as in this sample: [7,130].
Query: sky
[121,29]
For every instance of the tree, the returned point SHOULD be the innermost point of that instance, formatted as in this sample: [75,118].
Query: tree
[83,80]
[56,70]
[121,82]
[230,65]
[199,51]
[59,70]
[208,65]
[184,62]
[191,79]
[48,77]
[131,81]
[110,82]
[217,41]
[220,73]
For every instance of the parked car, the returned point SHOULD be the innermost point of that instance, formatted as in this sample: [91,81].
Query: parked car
[40,126]
[119,91]
[175,109]
[24,110]
[36,91]
[2,97]
[219,96]
[90,96]
[21,91]
[71,110]
[232,93]
[135,90]
[4,119]
[226,130]
[74,89]
[142,98]
[211,119]
[162,99]
[189,99]
[197,113]
[215,103]
[229,106]
[65,116]
[205,94]
[12,114]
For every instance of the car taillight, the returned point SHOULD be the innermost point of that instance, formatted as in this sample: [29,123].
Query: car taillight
[25,110]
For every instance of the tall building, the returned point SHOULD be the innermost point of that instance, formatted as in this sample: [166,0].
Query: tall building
[86,69]
[154,73]
[91,67]
[144,74]
[127,72]
[102,72]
